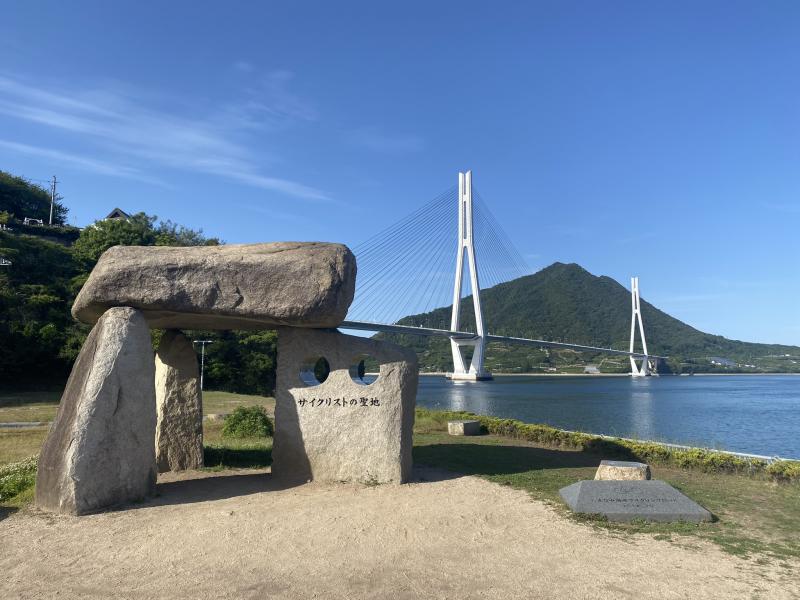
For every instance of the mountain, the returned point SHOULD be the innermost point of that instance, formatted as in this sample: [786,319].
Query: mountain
[564,302]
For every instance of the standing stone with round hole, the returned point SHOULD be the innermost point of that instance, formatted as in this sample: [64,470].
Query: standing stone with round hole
[340,425]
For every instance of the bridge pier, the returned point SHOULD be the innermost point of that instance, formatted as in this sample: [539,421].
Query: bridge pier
[636,317]
[466,245]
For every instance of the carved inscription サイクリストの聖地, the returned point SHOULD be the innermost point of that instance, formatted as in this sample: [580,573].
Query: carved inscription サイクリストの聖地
[362,402]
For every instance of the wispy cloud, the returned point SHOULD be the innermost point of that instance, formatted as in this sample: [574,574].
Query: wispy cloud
[377,141]
[81,162]
[123,125]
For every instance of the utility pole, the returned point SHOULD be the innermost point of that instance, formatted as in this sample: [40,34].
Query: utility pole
[52,198]
[202,358]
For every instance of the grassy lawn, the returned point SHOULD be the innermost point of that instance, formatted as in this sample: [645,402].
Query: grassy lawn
[16,444]
[755,516]
[30,406]
[215,403]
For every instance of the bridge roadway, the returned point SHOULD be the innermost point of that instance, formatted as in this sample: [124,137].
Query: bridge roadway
[465,335]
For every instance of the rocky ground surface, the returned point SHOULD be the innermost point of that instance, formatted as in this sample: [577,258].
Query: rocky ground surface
[244,535]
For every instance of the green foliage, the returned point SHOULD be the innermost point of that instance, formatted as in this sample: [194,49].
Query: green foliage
[102,235]
[240,361]
[39,337]
[140,230]
[247,422]
[709,461]
[784,470]
[22,198]
[16,478]
[40,340]
[564,302]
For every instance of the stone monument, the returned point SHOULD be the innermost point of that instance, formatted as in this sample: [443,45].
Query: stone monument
[649,500]
[109,438]
[343,429]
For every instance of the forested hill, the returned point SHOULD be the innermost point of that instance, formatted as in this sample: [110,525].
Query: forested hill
[564,302]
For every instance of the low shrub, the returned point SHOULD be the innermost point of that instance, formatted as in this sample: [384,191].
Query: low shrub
[18,477]
[784,470]
[247,422]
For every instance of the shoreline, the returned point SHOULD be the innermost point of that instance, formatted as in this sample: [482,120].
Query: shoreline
[443,374]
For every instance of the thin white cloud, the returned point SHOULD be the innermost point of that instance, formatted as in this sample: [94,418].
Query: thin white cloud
[122,125]
[377,141]
[80,162]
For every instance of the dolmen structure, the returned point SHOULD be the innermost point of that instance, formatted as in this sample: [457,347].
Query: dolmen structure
[128,412]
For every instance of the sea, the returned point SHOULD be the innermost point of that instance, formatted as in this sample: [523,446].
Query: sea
[756,414]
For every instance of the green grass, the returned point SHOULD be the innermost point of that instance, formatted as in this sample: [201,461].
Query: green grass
[29,406]
[17,444]
[226,402]
[238,453]
[754,515]
[26,406]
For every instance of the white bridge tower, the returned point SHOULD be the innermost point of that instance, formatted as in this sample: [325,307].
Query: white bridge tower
[636,317]
[466,245]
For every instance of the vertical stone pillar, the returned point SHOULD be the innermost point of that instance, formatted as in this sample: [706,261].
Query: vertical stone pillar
[99,451]
[179,429]
[342,429]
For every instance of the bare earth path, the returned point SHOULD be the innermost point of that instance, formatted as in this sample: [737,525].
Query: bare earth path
[234,535]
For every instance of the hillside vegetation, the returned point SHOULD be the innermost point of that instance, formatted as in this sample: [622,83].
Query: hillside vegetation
[39,340]
[564,302]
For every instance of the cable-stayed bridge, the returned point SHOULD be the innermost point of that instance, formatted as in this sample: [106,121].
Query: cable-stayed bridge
[452,245]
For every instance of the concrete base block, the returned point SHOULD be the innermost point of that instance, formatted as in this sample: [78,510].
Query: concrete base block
[621,470]
[464,427]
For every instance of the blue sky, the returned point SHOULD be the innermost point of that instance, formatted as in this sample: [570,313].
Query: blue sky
[657,139]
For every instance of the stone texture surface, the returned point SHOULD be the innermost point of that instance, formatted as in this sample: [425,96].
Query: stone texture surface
[224,287]
[652,500]
[621,470]
[99,451]
[342,430]
[179,428]
[465,427]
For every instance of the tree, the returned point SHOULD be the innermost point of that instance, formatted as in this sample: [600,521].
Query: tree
[139,230]
[22,198]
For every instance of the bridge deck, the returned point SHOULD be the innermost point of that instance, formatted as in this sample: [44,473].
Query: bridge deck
[465,335]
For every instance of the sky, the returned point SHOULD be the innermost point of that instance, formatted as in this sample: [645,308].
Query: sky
[658,139]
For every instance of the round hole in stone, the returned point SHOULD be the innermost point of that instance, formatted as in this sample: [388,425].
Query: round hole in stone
[359,366]
[315,370]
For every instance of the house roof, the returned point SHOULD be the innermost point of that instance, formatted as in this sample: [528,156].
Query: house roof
[118,213]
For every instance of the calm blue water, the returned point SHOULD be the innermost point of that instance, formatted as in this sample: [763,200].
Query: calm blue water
[753,413]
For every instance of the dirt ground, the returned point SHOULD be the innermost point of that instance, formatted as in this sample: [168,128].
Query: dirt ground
[244,535]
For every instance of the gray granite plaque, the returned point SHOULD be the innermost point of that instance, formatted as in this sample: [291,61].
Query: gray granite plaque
[651,500]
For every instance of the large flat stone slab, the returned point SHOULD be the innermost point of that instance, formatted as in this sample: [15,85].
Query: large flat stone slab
[652,500]
[342,429]
[224,287]
[100,450]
